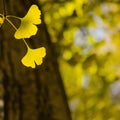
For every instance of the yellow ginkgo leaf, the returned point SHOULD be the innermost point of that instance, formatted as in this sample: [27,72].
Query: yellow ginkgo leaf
[1,20]
[33,57]
[28,23]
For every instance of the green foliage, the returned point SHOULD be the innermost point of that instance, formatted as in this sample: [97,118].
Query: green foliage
[87,39]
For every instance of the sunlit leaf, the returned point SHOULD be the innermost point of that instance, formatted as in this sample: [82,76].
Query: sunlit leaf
[28,23]
[33,57]
[1,21]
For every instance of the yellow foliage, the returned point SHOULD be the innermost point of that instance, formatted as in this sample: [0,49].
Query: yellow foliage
[116,19]
[78,6]
[94,97]
[72,76]
[28,23]
[92,69]
[66,10]
[113,7]
[67,55]
[1,20]
[68,36]
[33,57]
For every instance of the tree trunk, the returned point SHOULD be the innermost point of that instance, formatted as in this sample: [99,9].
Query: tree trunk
[29,94]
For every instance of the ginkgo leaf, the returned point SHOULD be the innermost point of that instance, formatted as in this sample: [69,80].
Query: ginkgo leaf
[33,57]
[1,21]
[28,23]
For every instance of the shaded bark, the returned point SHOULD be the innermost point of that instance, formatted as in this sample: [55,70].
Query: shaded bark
[30,94]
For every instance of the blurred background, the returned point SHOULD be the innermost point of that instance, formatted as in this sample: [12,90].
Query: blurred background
[86,37]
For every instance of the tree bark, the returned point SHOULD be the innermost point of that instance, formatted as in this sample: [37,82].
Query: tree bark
[30,94]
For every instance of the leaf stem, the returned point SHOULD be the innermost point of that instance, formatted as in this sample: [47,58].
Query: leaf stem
[12,16]
[11,23]
[26,43]
[16,29]
[2,15]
